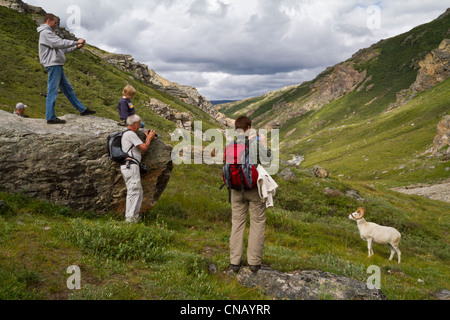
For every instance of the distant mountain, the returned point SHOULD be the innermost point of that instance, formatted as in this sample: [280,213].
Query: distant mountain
[218,102]
[373,116]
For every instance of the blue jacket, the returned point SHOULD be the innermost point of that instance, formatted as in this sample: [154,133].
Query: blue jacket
[126,108]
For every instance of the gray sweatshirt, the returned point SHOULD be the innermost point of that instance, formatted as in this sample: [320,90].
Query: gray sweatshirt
[52,48]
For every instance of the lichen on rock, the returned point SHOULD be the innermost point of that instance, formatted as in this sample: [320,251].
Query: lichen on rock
[69,165]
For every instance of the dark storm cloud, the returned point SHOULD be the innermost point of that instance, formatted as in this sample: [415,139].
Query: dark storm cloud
[235,49]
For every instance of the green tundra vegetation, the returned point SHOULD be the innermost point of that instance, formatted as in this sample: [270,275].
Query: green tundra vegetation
[168,254]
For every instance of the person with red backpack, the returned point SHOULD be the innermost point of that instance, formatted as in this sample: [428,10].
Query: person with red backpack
[240,176]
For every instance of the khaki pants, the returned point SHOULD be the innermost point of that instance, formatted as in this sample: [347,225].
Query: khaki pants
[132,177]
[257,210]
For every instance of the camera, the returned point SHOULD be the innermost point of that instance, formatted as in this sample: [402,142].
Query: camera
[156,135]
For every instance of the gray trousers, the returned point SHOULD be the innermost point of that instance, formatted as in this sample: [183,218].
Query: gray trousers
[257,210]
[132,177]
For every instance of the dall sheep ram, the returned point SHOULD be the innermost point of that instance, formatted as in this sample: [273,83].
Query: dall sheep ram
[370,231]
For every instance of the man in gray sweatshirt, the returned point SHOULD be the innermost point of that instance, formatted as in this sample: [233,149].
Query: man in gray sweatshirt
[52,50]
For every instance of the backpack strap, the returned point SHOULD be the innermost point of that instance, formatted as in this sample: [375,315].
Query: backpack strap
[128,152]
[243,185]
[225,173]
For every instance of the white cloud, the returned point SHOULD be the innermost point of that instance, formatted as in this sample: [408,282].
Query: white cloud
[233,49]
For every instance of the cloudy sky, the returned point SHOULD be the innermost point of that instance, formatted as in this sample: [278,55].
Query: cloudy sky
[235,49]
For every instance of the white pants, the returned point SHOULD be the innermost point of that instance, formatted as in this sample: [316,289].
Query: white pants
[132,177]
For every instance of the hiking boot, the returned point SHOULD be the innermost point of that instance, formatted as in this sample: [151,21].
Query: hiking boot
[88,112]
[236,267]
[56,121]
[255,269]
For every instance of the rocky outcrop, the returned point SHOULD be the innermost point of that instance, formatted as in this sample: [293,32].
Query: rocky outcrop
[342,80]
[224,120]
[306,285]
[187,94]
[434,69]
[37,14]
[332,84]
[442,139]
[20,6]
[68,164]
[287,174]
[183,120]
[320,172]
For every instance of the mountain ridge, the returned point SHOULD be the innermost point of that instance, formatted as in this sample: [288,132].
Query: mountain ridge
[331,84]
[393,84]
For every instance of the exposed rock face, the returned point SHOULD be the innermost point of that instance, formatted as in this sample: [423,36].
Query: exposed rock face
[306,285]
[187,94]
[37,14]
[442,139]
[183,120]
[342,80]
[20,6]
[68,164]
[434,69]
[332,84]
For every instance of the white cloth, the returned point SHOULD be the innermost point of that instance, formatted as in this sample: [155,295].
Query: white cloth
[266,186]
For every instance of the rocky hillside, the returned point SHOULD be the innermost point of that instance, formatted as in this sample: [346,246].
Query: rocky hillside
[98,77]
[187,94]
[357,75]
[379,110]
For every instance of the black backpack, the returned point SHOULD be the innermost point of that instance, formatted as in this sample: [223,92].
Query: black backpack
[114,145]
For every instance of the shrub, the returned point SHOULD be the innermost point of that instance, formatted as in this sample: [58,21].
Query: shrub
[332,263]
[19,284]
[118,240]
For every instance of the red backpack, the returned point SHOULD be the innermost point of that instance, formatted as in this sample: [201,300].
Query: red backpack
[238,173]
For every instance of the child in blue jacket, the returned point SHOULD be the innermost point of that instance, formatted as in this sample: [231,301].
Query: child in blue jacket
[126,107]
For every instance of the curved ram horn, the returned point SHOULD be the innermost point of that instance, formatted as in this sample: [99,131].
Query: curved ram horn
[361,212]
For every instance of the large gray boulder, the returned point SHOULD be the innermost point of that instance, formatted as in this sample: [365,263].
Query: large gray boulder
[68,164]
[306,285]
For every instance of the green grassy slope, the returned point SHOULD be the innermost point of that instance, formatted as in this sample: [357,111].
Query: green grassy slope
[167,255]
[390,147]
[345,133]
[97,84]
